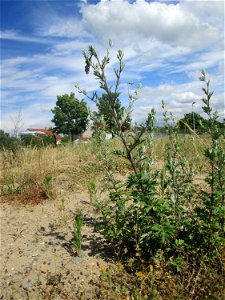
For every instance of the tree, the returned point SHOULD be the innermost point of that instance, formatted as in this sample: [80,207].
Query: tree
[201,124]
[18,124]
[191,119]
[104,112]
[70,115]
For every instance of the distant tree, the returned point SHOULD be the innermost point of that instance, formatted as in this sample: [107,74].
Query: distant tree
[18,124]
[70,115]
[193,120]
[104,112]
[221,125]
[201,124]
[8,142]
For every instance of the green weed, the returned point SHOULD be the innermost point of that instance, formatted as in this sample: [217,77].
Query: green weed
[155,213]
[77,226]
[48,186]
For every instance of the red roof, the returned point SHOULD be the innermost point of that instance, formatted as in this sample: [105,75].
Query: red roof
[58,136]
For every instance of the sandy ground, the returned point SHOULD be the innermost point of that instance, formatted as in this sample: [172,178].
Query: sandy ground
[37,257]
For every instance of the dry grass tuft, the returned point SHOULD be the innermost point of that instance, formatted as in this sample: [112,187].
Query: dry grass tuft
[23,176]
[23,173]
[33,195]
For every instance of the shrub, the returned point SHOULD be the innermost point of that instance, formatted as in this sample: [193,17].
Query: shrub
[38,141]
[66,140]
[8,142]
[152,214]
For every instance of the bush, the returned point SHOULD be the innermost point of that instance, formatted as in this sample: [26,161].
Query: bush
[66,140]
[8,142]
[200,124]
[38,141]
[156,215]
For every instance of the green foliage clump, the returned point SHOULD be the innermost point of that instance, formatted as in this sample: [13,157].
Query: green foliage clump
[48,186]
[38,141]
[104,113]
[8,142]
[194,121]
[70,115]
[155,214]
[77,226]
[66,140]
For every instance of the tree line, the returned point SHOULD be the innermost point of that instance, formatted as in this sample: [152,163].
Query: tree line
[71,118]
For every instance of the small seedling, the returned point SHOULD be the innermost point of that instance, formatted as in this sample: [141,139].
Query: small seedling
[48,186]
[77,225]
[63,205]
[92,190]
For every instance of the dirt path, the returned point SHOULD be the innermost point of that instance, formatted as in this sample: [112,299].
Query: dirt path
[37,258]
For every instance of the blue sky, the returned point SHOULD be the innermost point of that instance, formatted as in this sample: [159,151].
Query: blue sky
[165,45]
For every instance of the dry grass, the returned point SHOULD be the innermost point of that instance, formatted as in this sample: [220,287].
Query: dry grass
[71,167]
[192,148]
[119,283]
[23,173]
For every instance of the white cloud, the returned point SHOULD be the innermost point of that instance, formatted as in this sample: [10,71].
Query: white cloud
[203,61]
[135,23]
[203,9]
[178,99]
[67,28]
[66,48]
[27,84]
[16,36]
[155,37]
[31,117]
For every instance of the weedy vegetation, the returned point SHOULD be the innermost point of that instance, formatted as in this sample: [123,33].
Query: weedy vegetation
[156,215]
[31,175]
[77,226]
[159,199]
